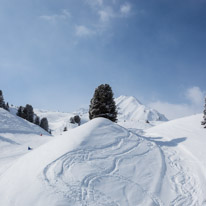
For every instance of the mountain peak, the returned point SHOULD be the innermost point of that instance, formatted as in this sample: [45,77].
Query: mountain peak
[129,108]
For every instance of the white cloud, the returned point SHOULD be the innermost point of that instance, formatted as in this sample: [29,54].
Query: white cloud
[125,8]
[55,17]
[195,95]
[105,15]
[82,30]
[173,111]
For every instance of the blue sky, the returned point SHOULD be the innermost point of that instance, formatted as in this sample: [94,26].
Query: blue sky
[54,53]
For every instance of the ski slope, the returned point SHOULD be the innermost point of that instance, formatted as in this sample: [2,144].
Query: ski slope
[102,163]
[183,142]
[16,134]
[89,165]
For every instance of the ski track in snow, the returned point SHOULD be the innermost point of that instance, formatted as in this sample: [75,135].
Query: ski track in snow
[104,164]
[101,165]
[184,183]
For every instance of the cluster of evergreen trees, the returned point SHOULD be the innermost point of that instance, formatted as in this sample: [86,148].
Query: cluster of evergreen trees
[28,114]
[2,102]
[204,116]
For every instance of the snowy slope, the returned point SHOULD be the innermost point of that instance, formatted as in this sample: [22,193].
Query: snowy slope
[98,163]
[183,142]
[102,163]
[16,134]
[188,129]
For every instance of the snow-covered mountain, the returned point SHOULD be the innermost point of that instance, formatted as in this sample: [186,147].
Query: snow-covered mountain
[130,109]
[101,163]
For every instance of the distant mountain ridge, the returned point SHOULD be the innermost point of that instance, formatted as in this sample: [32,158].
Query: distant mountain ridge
[130,111]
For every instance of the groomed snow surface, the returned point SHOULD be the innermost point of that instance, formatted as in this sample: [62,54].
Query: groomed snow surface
[101,163]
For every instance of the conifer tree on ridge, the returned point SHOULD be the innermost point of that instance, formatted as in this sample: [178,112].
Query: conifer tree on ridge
[2,102]
[102,104]
[204,116]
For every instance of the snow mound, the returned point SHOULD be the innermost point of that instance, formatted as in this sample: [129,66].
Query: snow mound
[98,163]
[130,109]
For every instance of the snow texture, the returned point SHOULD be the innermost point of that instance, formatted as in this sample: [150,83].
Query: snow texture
[101,163]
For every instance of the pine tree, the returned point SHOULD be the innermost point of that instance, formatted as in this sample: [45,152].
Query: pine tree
[7,106]
[72,120]
[102,104]
[44,124]
[2,103]
[37,120]
[20,111]
[204,116]
[77,119]
[65,129]
[29,113]
[26,113]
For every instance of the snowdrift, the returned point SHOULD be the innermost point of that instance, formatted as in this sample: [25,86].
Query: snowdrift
[98,163]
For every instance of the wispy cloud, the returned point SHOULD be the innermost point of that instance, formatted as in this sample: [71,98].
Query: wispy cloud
[195,95]
[108,11]
[125,8]
[55,17]
[81,30]
[106,14]
[173,111]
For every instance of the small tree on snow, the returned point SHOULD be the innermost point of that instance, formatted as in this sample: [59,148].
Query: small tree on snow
[77,119]
[44,124]
[2,103]
[72,120]
[29,113]
[20,111]
[37,121]
[102,104]
[204,116]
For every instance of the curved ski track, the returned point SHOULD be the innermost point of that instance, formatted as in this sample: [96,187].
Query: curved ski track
[102,165]
[105,165]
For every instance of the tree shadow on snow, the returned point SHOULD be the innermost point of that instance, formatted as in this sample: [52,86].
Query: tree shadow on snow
[171,143]
[8,140]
